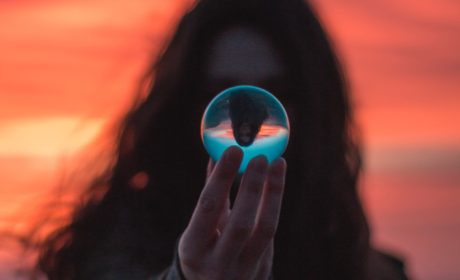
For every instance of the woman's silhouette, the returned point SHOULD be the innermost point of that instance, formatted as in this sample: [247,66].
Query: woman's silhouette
[247,115]
[133,233]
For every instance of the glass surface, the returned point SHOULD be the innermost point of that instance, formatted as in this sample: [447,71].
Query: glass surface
[245,116]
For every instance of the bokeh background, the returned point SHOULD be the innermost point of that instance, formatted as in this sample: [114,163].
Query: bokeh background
[69,68]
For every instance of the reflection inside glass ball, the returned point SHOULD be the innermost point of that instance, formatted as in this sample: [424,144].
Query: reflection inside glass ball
[248,117]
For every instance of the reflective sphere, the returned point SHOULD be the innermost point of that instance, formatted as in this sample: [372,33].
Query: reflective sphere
[245,116]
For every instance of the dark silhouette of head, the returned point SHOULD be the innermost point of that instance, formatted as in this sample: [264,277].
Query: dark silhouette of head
[247,115]
[322,234]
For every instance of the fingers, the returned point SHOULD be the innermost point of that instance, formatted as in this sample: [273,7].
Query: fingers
[243,214]
[267,220]
[224,217]
[245,246]
[210,168]
[212,201]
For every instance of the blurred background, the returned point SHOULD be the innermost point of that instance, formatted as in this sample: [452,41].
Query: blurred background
[68,69]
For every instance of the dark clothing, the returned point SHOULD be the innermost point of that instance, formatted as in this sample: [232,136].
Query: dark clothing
[112,261]
[383,267]
[174,272]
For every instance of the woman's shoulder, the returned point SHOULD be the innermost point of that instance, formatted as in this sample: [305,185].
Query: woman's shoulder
[385,266]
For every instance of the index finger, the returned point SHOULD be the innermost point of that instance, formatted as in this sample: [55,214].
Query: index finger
[211,203]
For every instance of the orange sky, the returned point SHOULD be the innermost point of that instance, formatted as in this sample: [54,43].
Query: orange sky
[68,67]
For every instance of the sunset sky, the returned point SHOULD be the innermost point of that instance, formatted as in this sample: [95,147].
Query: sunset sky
[69,68]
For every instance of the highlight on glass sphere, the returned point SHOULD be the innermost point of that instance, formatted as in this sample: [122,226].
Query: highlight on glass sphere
[249,117]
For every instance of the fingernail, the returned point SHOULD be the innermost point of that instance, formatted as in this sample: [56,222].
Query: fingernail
[233,155]
[260,163]
[279,166]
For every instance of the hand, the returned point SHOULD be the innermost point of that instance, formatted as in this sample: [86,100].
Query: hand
[237,243]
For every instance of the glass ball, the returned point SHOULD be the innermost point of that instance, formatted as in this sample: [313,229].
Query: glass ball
[248,117]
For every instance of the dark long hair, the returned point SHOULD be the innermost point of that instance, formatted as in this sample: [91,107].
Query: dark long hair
[323,232]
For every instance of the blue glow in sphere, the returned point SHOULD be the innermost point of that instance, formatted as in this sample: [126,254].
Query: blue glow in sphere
[249,117]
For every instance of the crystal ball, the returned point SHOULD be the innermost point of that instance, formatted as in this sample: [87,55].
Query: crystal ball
[248,117]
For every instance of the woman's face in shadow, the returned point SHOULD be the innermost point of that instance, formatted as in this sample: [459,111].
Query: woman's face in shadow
[242,56]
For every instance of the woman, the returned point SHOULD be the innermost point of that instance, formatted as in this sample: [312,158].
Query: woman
[140,230]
